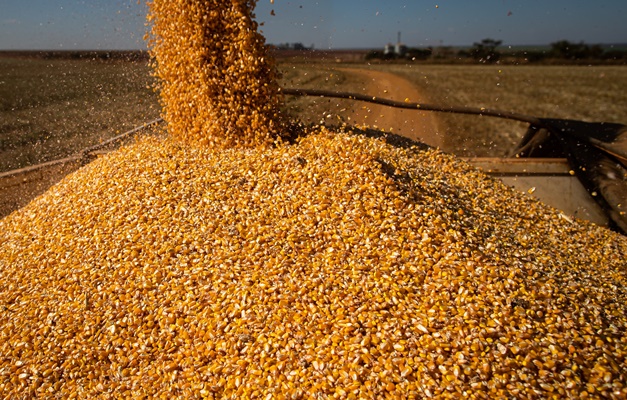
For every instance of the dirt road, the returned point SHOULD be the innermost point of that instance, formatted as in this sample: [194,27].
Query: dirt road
[417,125]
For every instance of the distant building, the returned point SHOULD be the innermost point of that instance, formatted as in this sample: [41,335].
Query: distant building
[398,50]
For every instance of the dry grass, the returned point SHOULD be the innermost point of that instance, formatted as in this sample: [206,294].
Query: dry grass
[595,93]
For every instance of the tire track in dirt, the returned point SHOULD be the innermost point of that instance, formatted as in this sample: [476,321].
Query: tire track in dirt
[422,126]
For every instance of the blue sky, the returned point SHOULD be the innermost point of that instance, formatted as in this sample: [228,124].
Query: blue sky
[120,24]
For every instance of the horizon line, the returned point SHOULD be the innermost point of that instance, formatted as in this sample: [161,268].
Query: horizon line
[356,48]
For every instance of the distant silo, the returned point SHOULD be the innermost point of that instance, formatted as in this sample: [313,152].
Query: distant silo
[400,49]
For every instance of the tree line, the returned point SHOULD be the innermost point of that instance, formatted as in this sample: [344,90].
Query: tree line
[489,51]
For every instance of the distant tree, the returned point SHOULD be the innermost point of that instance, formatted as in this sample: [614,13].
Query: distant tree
[575,51]
[615,55]
[534,55]
[410,54]
[464,53]
[567,50]
[293,46]
[374,55]
[443,52]
[485,51]
[419,54]
[596,51]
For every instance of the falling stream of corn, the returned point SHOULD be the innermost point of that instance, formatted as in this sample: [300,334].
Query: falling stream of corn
[225,261]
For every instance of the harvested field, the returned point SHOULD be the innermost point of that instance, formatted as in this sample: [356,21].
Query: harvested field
[587,93]
[50,109]
[48,115]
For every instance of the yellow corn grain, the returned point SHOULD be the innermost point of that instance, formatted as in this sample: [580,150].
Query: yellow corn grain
[340,265]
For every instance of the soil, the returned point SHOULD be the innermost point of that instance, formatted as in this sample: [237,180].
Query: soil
[421,126]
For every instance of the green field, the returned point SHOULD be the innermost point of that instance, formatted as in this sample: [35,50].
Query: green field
[53,108]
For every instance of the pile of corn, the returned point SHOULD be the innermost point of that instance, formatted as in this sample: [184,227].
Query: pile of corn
[212,265]
[337,266]
[217,85]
